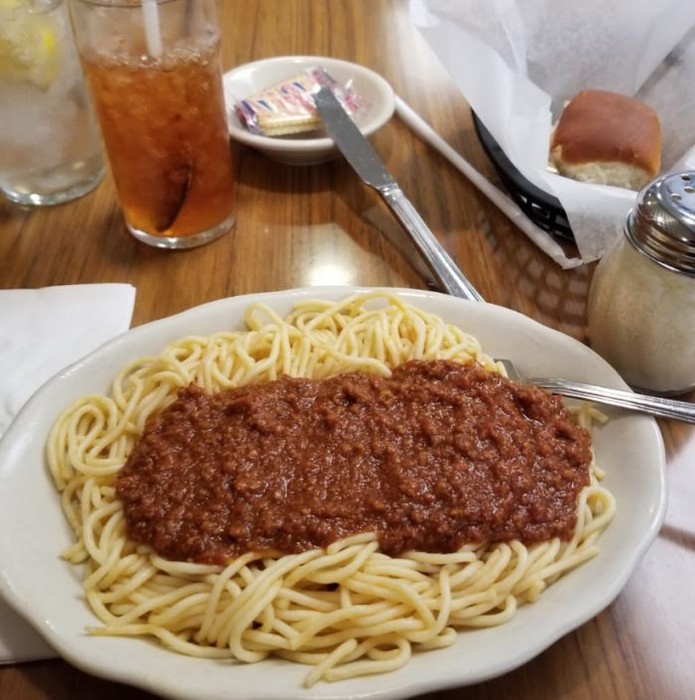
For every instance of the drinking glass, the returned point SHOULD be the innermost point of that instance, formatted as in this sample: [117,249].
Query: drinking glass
[154,74]
[50,150]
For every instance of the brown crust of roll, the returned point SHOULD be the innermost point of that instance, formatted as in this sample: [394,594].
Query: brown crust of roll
[599,127]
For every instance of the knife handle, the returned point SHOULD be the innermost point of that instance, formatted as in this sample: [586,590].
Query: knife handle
[442,266]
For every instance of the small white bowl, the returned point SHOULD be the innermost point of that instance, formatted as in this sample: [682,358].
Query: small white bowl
[250,78]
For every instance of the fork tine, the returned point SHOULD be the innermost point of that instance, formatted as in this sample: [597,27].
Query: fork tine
[509,368]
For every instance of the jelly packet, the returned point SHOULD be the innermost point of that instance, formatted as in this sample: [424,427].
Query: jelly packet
[288,108]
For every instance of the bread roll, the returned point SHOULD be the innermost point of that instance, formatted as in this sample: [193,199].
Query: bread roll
[607,138]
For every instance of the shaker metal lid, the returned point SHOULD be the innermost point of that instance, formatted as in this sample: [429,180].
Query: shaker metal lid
[662,223]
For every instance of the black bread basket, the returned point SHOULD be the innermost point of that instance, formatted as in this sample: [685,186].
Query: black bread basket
[542,208]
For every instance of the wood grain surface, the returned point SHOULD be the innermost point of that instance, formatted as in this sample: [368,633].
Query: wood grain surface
[306,226]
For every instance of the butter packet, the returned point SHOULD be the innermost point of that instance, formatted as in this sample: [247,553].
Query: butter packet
[288,108]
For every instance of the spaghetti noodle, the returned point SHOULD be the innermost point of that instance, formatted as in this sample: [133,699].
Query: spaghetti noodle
[347,610]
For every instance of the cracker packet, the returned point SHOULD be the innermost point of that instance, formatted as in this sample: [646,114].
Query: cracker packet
[288,108]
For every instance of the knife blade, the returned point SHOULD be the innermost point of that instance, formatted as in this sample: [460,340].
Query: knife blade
[368,165]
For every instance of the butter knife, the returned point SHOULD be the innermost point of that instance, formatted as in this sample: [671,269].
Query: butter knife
[365,161]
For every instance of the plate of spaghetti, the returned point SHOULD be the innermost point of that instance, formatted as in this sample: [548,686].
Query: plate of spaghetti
[323,492]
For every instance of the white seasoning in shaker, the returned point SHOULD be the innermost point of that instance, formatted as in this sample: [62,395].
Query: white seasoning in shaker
[641,309]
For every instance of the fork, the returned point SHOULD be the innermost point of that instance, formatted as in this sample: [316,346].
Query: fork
[654,405]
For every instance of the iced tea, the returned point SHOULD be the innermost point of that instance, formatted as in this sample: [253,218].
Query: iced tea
[165,132]
[154,75]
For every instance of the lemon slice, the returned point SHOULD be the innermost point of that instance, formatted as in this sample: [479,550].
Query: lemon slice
[28,47]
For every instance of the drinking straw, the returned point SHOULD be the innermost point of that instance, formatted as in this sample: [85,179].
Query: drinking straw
[153,35]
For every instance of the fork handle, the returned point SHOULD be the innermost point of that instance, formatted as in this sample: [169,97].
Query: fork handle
[655,405]
[441,265]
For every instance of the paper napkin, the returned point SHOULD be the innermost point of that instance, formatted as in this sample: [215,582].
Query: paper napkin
[41,332]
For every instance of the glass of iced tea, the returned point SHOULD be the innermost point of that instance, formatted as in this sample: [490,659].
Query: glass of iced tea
[154,74]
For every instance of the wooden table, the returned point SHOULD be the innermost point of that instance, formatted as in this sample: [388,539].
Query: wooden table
[318,225]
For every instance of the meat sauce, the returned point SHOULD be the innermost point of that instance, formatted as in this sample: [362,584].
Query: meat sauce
[438,455]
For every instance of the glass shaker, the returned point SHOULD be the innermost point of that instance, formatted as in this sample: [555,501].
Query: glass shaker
[642,299]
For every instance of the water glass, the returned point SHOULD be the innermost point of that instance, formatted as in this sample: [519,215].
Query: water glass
[50,150]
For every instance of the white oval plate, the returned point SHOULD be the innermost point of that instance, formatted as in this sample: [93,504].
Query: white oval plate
[48,592]
[249,78]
